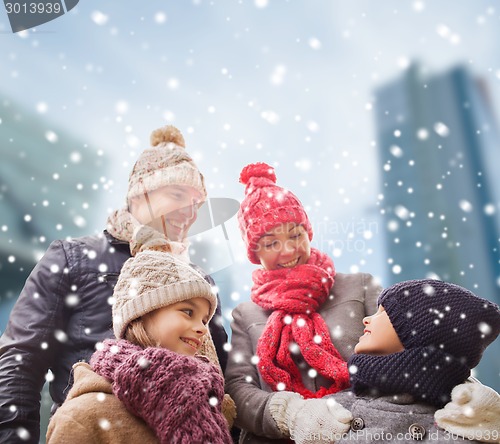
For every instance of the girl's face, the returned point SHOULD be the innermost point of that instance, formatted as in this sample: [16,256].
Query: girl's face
[171,210]
[379,337]
[285,246]
[180,327]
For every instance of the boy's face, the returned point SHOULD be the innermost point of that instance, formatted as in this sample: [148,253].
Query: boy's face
[285,246]
[379,336]
[179,327]
[171,210]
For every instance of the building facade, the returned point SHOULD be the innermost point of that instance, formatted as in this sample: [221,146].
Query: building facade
[439,149]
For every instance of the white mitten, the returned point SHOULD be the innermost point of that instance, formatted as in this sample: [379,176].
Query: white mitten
[309,420]
[472,413]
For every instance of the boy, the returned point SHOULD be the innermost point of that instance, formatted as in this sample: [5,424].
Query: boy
[424,340]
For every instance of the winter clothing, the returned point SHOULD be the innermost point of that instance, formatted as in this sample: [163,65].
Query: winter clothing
[314,418]
[395,419]
[444,329]
[352,297]
[474,413]
[92,413]
[122,225]
[430,312]
[71,314]
[188,391]
[64,308]
[294,296]
[165,163]
[154,278]
[265,206]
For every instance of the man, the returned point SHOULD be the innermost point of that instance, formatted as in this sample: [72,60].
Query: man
[64,308]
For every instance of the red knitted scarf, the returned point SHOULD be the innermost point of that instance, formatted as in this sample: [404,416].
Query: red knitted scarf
[295,295]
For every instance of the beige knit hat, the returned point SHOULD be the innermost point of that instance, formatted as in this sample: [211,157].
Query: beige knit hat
[166,162]
[154,278]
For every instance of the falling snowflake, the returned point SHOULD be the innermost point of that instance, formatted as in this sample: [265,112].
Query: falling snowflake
[104,424]
[99,18]
[465,206]
[60,335]
[261,3]
[429,290]
[441,129]
[23,433]
[160,17]
[278,75]
[51,136]
[314,43]
[484,328]
[396,151]
[72,300]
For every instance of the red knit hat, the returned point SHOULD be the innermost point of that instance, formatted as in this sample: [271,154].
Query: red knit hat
[265,206]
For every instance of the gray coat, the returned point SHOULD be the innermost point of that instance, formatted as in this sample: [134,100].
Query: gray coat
[395,419]
[353,296]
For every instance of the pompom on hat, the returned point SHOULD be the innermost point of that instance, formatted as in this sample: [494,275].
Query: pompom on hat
[153,279]
[265,206]
[165,163]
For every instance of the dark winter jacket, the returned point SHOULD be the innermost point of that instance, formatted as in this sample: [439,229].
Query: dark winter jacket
[63,310]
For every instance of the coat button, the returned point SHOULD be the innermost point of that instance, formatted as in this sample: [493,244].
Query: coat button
[357,424]
[417,431]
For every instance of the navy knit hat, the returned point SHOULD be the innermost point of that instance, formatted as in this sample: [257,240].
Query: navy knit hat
[446,316]
[444,329]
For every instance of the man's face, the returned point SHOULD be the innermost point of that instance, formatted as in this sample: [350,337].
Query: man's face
[171,210]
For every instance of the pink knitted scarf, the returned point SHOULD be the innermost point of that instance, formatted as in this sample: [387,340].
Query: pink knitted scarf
[295,295]
[179,397]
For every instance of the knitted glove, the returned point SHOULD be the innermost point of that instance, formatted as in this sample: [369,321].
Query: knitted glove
[110,354]
[178,396]
[473,413]
[309,421]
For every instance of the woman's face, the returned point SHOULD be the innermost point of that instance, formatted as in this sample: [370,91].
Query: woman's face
[285,246]
[379,336]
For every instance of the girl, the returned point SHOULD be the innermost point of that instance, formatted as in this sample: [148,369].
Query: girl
[151,384]
[290,343]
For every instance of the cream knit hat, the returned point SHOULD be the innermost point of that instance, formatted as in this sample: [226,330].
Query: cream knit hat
[166,162]
[154,278]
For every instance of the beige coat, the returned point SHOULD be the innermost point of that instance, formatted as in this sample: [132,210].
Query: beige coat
[91,413]
[353,296]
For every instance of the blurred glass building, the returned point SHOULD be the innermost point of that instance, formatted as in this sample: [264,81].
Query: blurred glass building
[50,186]
[439,149]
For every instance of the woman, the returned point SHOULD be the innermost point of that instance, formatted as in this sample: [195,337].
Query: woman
[301,325]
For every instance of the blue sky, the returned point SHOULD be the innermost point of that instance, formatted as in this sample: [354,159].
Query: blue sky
[286,82]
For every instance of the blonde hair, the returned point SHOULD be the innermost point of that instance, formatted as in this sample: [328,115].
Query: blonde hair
[137,334]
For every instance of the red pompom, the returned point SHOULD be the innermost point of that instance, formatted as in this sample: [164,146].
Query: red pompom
[259,169]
